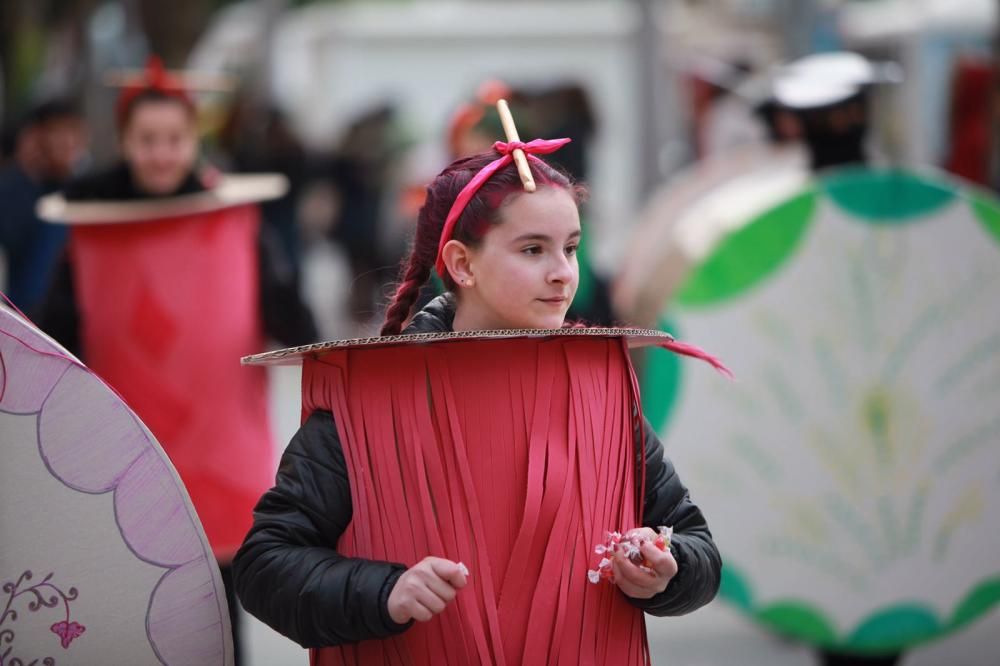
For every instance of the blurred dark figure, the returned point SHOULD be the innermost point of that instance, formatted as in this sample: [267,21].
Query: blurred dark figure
[836,133]
[45,148]
[830,95]
[8,145]
[565,110]
[359,173]
[260,141]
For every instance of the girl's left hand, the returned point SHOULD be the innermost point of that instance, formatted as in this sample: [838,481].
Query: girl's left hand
[640,584]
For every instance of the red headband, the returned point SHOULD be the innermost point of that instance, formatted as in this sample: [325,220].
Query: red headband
[154,78]
[506,150]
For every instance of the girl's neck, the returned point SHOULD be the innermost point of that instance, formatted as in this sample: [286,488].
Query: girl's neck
[471,314]
[470,318]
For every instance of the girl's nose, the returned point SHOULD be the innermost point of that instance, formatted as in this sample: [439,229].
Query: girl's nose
[562,270]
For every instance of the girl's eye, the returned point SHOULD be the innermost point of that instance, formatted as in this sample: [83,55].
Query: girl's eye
[532,249]
[571,249]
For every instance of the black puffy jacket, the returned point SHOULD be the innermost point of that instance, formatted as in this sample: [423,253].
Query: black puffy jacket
[289,575]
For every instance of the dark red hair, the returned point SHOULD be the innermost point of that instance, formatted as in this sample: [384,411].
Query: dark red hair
[482,212]
[154,84]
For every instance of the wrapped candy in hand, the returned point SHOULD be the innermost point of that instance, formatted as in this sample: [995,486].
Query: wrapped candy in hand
[630,547]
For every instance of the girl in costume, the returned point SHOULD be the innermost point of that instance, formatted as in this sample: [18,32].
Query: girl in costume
[310,567]
[167,281]
[560,110]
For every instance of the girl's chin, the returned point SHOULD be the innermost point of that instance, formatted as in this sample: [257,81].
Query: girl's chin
[545,323]
[532,318]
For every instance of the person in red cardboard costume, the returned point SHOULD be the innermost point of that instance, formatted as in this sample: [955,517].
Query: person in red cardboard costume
[171,283]
[442,501]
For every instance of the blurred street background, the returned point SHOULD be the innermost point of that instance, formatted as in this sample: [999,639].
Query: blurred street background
[360,103]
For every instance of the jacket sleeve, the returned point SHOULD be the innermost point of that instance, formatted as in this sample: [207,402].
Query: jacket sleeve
[288,574]
[699,565]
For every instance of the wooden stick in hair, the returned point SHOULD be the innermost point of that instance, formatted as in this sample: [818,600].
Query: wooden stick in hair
[520,159]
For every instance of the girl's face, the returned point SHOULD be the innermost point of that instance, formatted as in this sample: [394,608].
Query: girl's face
[524,273]
[160,144]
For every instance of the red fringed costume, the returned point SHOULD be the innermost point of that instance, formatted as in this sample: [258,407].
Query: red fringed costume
[511,456]
[166,309]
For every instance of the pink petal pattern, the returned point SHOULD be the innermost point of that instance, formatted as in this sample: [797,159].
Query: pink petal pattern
[68,631]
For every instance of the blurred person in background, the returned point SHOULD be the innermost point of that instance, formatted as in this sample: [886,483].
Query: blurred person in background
[258,139]
[836,132]
[168,282]
[829,93]
[359,173]
[46,149]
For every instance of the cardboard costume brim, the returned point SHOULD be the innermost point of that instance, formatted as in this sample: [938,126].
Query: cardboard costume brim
[635,337]
[232,190]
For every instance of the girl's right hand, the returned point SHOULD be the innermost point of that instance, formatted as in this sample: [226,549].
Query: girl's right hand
[425,589]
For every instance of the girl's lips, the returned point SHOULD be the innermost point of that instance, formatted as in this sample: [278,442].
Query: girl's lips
[558,300]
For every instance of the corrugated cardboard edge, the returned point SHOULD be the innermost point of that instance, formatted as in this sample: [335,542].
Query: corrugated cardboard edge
[636,337]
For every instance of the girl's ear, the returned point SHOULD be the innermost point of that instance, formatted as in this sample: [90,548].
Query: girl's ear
[457,258]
